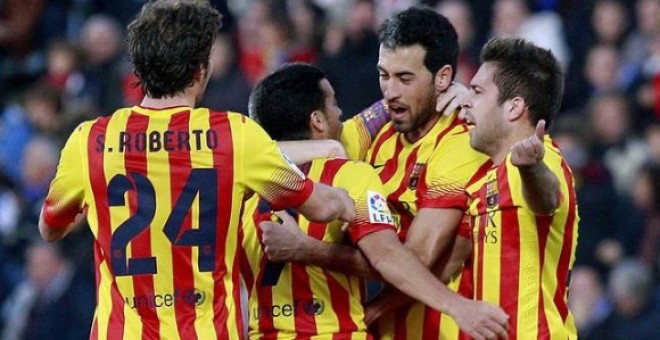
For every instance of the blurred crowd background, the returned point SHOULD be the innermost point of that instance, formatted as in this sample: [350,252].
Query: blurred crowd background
[64,61]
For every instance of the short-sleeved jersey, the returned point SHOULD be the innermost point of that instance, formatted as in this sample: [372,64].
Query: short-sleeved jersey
[291,300]
[432,172]
[522,261]
[163,190]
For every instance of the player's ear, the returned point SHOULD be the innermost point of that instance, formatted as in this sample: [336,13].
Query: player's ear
[201,74]
[443,78]
[516,107]
[317,122]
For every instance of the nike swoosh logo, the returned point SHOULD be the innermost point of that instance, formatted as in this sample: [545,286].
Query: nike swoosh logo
[378,166]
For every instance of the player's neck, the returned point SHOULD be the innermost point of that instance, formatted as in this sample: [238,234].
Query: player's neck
[161,103]
[165,102]
[419,133]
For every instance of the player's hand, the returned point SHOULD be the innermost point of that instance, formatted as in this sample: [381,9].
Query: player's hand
[282,241]
[348,214]
[530,151]
[371,314]
[449,100]
[482,320]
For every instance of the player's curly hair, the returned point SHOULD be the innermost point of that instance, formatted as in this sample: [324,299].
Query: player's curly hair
[169,42]
[423,26]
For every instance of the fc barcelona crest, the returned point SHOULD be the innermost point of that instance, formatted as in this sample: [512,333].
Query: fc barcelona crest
[414,175]
[492,194]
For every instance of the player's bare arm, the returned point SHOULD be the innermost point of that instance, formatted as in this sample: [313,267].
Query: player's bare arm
[400,267]
[304,151]
[327,204]
[286,242]
[540,185]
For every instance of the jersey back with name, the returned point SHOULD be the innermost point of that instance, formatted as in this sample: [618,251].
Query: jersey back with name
[163,190]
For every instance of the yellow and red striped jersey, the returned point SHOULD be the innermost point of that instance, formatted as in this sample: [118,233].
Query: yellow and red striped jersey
[292,300]
[163,190]
[432,172]
[522,261]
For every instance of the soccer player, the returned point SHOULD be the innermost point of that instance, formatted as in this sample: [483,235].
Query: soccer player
[293,300]
[163,185]
[417,59]
[523,211]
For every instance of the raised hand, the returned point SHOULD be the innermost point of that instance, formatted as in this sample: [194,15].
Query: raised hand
[530,151]
[449,100]
[482,320]
[282,241]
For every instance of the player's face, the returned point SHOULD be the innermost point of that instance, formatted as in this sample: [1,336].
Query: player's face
[332,111]
[407,86]
[482,110]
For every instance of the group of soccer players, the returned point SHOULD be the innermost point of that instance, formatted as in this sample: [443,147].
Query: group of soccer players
[471,221]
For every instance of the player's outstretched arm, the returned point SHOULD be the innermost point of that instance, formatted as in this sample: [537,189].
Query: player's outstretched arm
[327,204]
[305,151]
[403,270]
[540,185]
[390,298]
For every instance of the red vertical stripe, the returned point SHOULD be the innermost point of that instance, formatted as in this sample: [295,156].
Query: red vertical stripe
[400,327]
[431,326]
[94,334]
[264,293]
[465,288]
[143,285]
[480,222]
[379,143]
[183,279]
[392,164]
[509,253]
[236,277]
[395,197]
[543,224]
[104,234]
[302,292]
[245,268]
[223,161]
[567,247]
[340,298]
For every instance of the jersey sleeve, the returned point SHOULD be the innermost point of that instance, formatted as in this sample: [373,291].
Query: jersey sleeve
[448,171]
[359,131]
[269,173]
[366,189]
[65,197]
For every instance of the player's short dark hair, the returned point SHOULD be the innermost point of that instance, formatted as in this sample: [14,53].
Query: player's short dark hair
[169,42]
[421,25]
[528,71]
[282,102]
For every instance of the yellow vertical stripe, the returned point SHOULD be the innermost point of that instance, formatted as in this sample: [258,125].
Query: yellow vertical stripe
[158,171]
[203,281]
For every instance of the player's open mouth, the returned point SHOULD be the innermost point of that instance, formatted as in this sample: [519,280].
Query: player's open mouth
[397,110]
